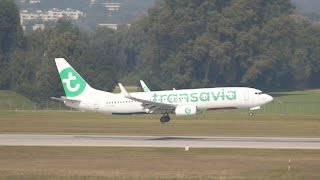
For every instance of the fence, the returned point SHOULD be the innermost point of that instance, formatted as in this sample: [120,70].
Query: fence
[292,108]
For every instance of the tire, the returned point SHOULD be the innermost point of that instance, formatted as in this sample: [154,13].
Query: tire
[163,119]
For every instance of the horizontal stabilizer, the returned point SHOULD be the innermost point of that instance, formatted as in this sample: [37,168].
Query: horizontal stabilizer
[65,99]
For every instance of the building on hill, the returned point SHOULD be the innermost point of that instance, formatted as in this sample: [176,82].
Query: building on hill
[113,26]
[30,1]
[111,7]
[38,26]
[51,15]
[34,1]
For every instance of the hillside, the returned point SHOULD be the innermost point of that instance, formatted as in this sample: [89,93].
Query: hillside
[13,100]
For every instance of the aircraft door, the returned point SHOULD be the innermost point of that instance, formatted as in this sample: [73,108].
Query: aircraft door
[246,95]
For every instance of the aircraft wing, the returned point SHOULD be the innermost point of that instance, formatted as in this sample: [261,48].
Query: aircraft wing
[151,105]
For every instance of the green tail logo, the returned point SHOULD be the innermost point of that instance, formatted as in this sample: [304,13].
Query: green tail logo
[73,83]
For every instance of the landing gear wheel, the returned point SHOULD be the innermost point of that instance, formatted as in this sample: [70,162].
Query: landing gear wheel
[251,114]
[165,119]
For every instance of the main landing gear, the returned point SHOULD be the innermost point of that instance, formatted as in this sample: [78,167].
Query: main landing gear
[165,118]
[251,114]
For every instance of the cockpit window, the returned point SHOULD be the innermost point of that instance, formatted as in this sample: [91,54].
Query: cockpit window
[259,93]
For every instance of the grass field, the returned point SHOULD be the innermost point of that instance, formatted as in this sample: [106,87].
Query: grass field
[156,163]
[211,123]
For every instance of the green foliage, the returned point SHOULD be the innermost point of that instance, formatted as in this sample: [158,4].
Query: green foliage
[11,37]
[95,56]
[235,42]
[103,59]
[10,29]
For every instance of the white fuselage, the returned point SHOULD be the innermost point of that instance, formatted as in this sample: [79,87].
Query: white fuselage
[204,99]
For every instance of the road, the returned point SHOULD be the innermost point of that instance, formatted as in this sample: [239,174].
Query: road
[159,141]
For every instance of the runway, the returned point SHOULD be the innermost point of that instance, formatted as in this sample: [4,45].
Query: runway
[159,141]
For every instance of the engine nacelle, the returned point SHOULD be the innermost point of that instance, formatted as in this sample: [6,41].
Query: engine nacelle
[186,110]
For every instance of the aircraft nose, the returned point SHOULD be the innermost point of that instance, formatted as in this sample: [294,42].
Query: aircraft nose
[268,98]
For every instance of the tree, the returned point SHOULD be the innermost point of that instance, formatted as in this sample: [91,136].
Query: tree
[66,45]
[11,37]
[22,70]
[104,59]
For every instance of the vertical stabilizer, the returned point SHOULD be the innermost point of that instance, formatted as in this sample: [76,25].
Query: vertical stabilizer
[73,84]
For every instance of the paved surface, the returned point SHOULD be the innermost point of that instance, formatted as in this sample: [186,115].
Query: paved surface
[159,141]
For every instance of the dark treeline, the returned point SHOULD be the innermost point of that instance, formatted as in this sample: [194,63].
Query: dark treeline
[181,44]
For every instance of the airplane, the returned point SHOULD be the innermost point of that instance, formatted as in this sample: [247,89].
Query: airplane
[183,102]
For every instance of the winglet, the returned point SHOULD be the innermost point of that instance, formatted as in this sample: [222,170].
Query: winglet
[123,90]
[144,86]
